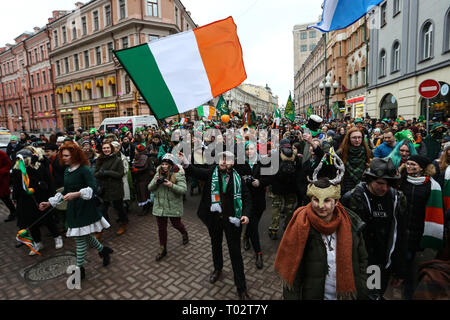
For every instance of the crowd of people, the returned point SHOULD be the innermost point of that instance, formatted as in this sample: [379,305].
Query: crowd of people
[346,194]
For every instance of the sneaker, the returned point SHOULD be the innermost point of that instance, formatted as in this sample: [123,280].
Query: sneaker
[58,242]
[38,246]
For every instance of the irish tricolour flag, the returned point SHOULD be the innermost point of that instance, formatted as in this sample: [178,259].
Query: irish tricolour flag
[206,111]
[180,72]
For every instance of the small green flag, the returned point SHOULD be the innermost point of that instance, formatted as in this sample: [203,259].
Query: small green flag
[222,106]
[309,112]
[277,113]
[289,112]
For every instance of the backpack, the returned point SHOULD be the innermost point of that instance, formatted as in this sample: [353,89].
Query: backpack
[287,168]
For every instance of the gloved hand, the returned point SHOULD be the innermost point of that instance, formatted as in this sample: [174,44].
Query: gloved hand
[235,221]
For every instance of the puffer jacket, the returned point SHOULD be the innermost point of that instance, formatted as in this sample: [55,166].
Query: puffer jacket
[397,244]
[309,283]
[282,184]
[169,201]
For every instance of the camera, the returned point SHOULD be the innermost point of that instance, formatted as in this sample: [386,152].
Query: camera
[160,180]
[248,179]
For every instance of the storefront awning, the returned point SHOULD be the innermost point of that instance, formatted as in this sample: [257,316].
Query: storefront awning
[59,91]
[87,85]
[112,80]
[77,87]
[99,83]
[68,89]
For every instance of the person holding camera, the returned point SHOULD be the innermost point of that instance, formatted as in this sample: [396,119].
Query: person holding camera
[109,172]
[225,205]
[168,186]
[251,174]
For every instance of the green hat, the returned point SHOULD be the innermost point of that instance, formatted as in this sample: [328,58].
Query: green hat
[421,118]
[358,120]
[13,138]
[404,135]
[124,129]
[438,125]
[93,130]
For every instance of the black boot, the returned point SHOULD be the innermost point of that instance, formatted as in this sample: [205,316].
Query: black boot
[246,243]
[105,255]
[82,273]
[11,217]
[162,253]
[259,260]
[185,238]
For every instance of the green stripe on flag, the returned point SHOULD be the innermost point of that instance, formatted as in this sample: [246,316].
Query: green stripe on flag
[141,66]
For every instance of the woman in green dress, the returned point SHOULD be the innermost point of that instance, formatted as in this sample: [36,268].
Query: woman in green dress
[83,218]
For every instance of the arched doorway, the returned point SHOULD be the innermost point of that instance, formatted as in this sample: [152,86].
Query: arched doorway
[440,106]
[388,107]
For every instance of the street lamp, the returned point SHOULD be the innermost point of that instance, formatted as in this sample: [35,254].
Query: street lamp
[326,84]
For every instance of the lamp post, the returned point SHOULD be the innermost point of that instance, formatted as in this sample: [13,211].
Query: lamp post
[326,84]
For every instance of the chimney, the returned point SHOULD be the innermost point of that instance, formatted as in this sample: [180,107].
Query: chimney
[36,29]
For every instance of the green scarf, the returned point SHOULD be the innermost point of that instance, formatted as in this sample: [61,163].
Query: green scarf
[237,193]
[356,163]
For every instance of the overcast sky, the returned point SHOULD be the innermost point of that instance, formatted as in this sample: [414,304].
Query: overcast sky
[264,29]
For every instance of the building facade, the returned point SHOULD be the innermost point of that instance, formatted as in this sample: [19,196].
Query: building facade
[27,93]
[260,98]
[305,40]
[341,56]
[409,42]
[90,84]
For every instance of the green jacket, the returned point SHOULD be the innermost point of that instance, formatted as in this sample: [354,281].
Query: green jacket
[309,283]
[169,201]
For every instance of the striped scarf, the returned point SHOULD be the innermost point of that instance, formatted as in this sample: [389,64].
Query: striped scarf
[433,233]
[446,191]
[25,179]
[237,193]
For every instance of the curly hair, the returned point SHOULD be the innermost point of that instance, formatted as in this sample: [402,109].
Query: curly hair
[76,153]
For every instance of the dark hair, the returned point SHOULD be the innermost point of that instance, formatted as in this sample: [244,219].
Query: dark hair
[388,130]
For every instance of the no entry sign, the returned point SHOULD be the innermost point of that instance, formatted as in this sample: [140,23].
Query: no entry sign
[429,88]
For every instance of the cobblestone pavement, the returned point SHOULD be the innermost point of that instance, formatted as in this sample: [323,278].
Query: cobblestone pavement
[133,273]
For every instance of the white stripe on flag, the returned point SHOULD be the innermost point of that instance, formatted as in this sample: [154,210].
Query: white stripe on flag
[181,66]
[328,14]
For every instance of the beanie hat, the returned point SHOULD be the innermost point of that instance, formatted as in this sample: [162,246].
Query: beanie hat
[285,143]
[140,147]
[61,139]
[422,161]
[13,138]
[115,144]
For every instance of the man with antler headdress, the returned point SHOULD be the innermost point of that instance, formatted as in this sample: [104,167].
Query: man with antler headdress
[322,255]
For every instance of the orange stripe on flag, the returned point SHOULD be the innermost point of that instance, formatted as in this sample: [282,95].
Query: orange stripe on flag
[217,197]
[435,215]
[221,53]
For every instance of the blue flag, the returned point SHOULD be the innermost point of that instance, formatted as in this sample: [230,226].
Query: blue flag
[339,14]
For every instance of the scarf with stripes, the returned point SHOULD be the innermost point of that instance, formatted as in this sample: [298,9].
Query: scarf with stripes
[216,202]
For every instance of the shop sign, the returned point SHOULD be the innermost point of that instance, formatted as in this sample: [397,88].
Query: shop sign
[84,108]
[107,106]
[354,100]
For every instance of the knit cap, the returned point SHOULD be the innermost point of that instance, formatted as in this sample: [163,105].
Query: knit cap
[422,161]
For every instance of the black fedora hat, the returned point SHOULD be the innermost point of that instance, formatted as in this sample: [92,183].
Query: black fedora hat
[382,168]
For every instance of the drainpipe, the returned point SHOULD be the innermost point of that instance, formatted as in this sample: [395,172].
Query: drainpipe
[52,80]
[29,89]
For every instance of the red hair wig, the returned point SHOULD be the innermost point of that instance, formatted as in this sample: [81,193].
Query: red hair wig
[77,155]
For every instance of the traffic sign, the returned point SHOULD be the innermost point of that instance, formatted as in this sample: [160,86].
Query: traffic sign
[429,89]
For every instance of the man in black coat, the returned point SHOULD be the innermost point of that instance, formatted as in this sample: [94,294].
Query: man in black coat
[223,215]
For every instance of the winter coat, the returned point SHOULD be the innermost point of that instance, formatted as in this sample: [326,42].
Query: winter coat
[12,149]
[258,194]
[396,245]
[126,186]
[287,184]
[57,172]
[382,151]
[109,172]
[27,205]
[309,283]
[5,167]
[204,210]
[169,201]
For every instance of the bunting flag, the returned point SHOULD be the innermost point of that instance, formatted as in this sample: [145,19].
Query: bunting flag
[289,112]
[206,111]
[177,73]
[339,14]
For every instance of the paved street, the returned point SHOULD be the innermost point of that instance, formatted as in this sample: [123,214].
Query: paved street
[133,272]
